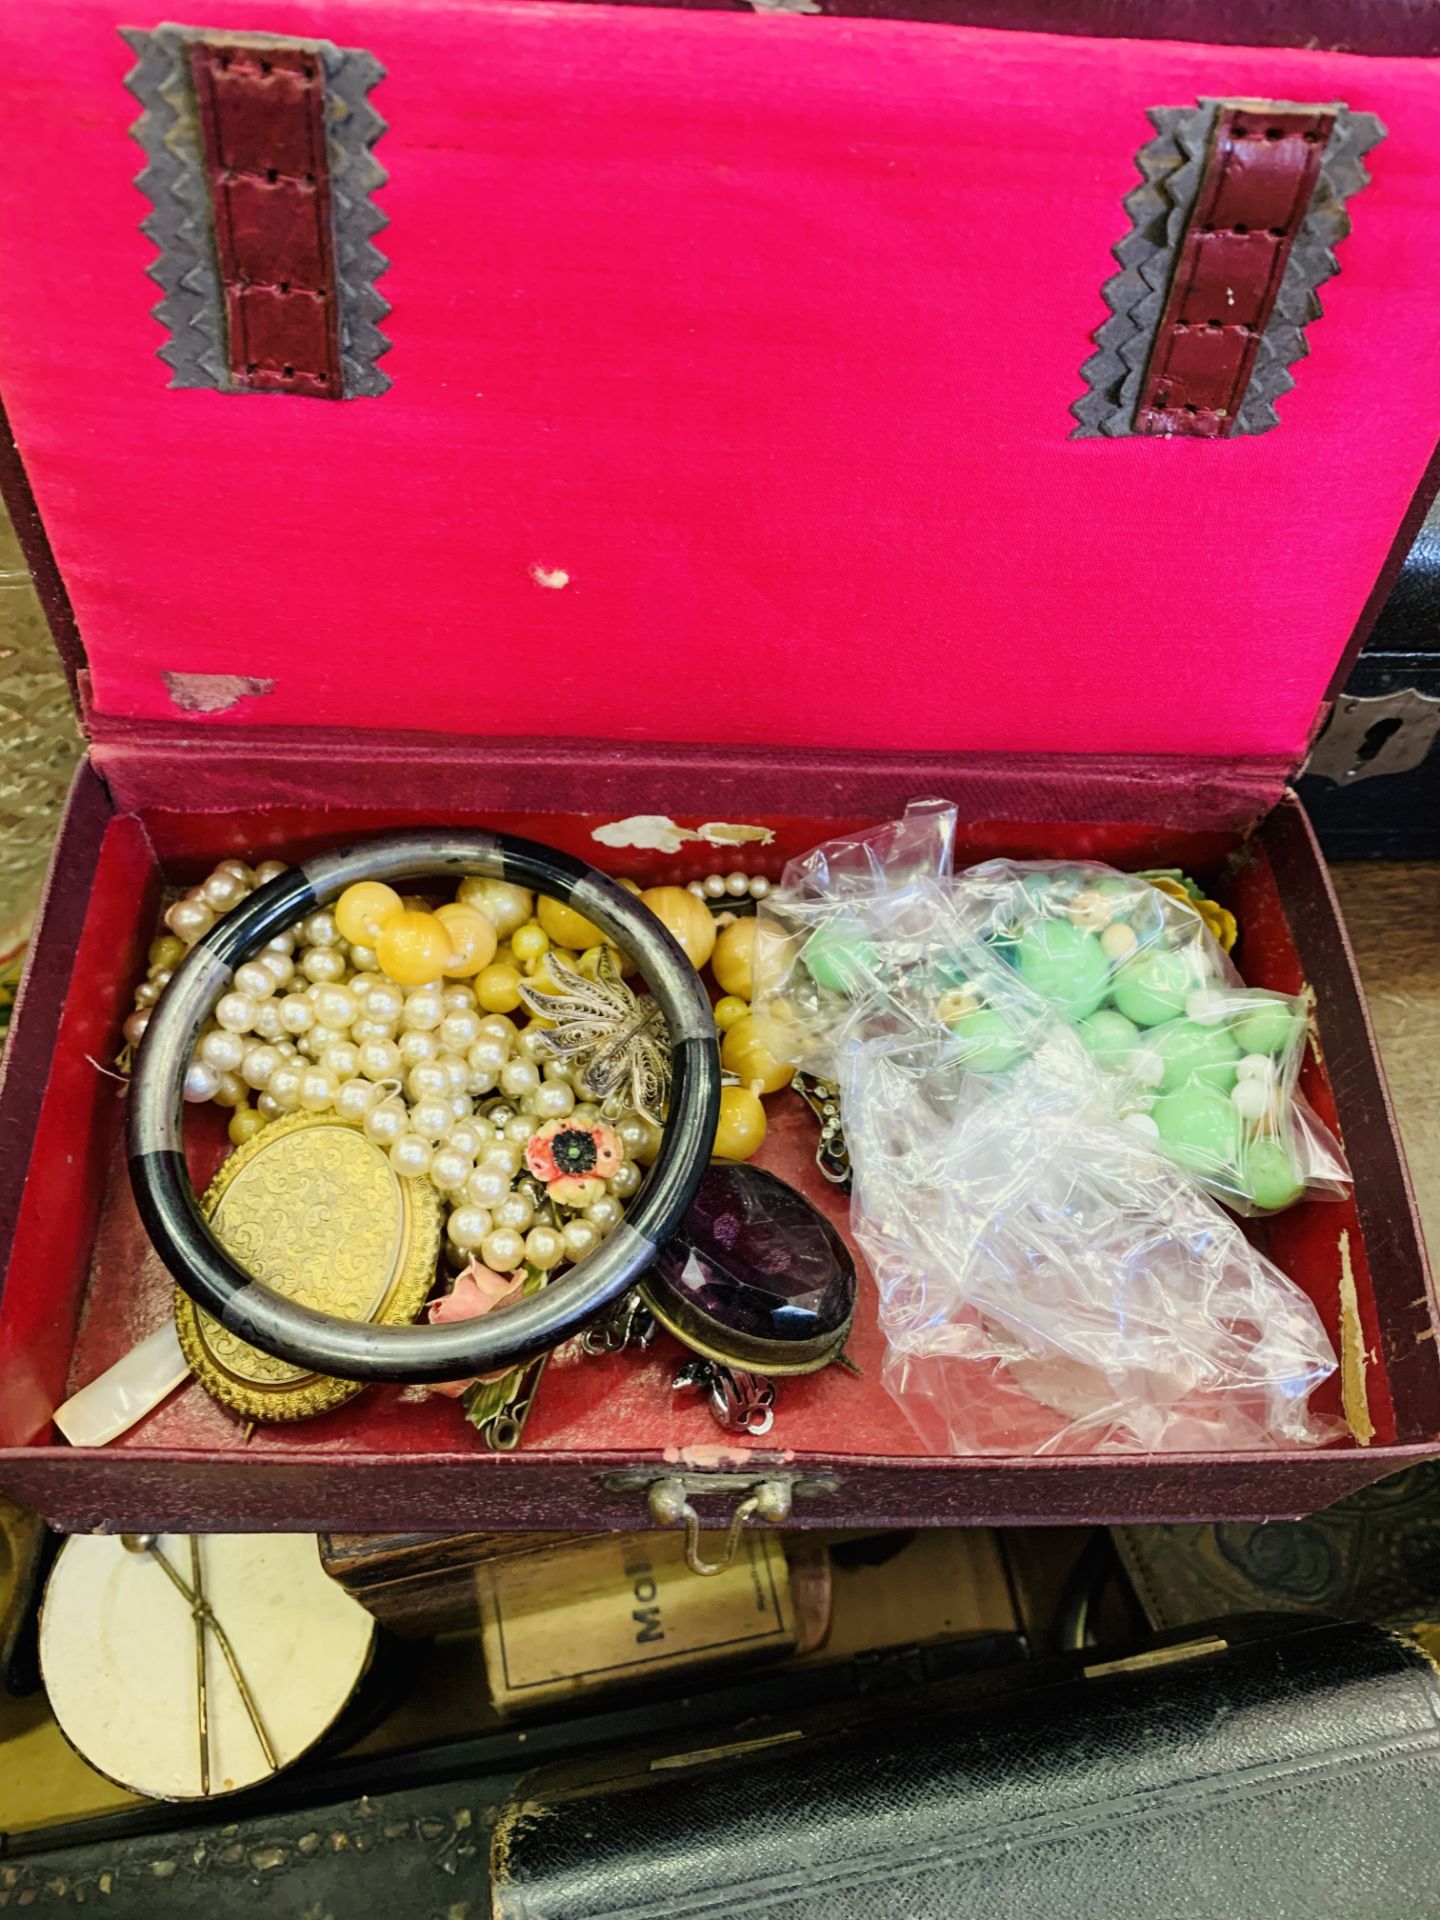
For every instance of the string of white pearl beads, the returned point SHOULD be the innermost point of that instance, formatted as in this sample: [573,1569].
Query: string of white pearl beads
[731,886]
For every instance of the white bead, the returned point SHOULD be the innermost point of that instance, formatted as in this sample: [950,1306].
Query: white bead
[231,1092]
[488,1185]
[544,1248]
[259,1063]
[500,1027]
[487,1056]
[200,1081]
[256,979]
[502,1250]
[320,929]
[269,870]
[456,1071]
[1250,1098]
[296,1013]
[433,1118]
[503,1153]
[499,1113]
[337,1006]
[633,1133]
[236,1011]
[245,875]
[458,998]
[697,887]
[559,1070]
[317,1089]
[551,1101]
[320,1037]
[134,1027]
[1205,1007]
[379,1060]
[282,943]
[586,1115]
[1138,1122]
[461,1107]
[284,1087]
[517,1078]
[516,1210]
[533,1045]
[363,960]
[460,1030]
[415,1047]
[342,1057]
[426,1079]
[189,919]
[385,1122]
[424,1010]
[449,1170]
[355,1098]
[322,964]
[737,885]
[269,1107]
[1117,940]
[411,1155]
[625,1181]
[223,1050]
[604,1214]
[580,1238]
[362,1030]
[712,887]
[1090,910]
[268,1023]
[1255,1066]
[520,1129]
[385,1001]
[759,886]
[147,993]
[467,1138]
[467,1227]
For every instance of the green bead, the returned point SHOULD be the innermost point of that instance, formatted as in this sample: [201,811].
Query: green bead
[988,1042]
[1271,1177]
[1270,1028]
[1199,1128]
[1108,1037]
[1192,1052]
[836,955]
[1153,987]
[1064,965]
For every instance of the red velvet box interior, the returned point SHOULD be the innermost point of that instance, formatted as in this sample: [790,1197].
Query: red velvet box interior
[732,359]
[84,1284]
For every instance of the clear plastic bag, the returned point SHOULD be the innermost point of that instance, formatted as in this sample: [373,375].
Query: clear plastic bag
[1052,1276]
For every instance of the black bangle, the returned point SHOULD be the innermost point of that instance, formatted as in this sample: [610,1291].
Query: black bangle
[353,1350]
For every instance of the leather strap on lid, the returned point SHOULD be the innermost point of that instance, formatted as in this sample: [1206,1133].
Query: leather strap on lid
[262,125]
[1255,191]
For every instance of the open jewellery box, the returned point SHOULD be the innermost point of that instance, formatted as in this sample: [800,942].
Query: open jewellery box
[741,452]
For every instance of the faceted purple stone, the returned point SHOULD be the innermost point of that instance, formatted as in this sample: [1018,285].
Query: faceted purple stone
[753,1257]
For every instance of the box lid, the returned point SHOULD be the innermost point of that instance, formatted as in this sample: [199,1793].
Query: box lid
[731,364]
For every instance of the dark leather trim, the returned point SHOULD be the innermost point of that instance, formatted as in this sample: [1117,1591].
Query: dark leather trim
[1255,190]
[262,120]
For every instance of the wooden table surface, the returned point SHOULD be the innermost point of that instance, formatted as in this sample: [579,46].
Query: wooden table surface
[1392,908]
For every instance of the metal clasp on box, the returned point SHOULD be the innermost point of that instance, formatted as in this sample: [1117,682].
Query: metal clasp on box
[669,1498]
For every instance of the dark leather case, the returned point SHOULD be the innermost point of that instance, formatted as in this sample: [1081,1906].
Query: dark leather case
[1256,1771]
